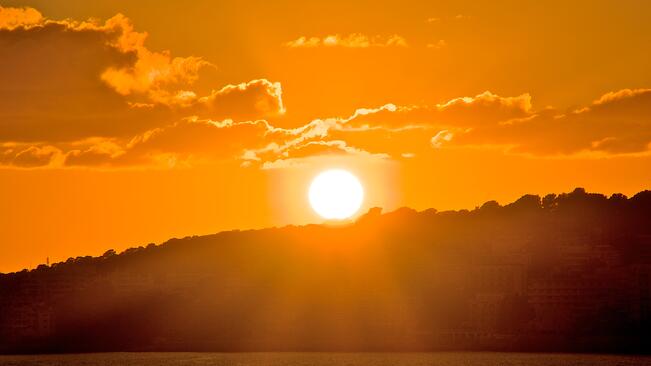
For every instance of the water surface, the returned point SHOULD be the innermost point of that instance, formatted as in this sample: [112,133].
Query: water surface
[325,359]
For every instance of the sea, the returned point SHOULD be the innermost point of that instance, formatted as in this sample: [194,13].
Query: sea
[325,359]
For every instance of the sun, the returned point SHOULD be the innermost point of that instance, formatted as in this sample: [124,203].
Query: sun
[336,194]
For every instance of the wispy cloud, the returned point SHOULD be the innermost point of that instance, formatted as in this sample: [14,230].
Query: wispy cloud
[457,17]
[438,44]
[354,40]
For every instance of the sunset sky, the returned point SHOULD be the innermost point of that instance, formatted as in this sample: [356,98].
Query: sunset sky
[129,122]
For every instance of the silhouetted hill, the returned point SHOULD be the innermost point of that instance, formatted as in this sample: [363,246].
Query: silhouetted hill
[561,272]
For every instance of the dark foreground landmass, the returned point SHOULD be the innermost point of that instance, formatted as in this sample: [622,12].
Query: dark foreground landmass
[562,273]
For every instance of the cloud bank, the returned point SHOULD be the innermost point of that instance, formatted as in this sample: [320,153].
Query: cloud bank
[91,94]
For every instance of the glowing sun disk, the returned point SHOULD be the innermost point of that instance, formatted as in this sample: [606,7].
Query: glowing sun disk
[336,194]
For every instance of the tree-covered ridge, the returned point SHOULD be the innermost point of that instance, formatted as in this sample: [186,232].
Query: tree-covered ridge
[559,272]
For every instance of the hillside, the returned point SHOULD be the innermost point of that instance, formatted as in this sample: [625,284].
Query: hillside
[562,272]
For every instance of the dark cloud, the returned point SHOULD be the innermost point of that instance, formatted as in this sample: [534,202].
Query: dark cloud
[616,123]
[69,80]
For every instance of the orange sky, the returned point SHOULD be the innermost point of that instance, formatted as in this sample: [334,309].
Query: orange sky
[124,122]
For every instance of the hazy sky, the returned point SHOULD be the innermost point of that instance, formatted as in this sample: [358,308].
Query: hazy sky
[129,122]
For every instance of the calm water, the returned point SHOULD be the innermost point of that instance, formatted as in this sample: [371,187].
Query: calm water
[325,359]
